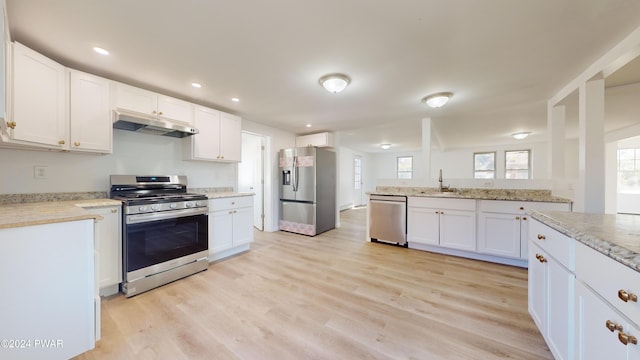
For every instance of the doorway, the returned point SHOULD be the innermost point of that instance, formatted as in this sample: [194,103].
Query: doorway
[251,173]
[358,191]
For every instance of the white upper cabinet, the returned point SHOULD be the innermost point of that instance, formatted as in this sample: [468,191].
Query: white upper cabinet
[324,139]
[90,113]
[152,104]
[219,137]
[39,101]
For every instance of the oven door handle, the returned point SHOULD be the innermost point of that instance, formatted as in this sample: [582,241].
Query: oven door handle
[142,218]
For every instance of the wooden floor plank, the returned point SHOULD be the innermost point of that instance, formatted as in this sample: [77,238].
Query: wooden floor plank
[332,296]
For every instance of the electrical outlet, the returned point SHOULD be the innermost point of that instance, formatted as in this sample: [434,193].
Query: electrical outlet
[40,172]
[488,184]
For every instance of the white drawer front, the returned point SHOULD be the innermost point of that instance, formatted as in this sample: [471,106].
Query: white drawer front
[611,279]
[437,203]
[519,207]
[230,203]
[556,244]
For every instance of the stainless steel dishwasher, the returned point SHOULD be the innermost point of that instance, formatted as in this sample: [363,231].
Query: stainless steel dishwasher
[388,219]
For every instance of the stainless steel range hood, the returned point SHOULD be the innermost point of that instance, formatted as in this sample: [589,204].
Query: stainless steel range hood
[132,121]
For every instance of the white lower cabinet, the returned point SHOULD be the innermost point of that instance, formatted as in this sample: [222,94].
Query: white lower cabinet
[449,223]
[551,284]
[109,248]
[605,309]
[230,226]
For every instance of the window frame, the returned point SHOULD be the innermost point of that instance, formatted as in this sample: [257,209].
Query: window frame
[494,153]
[410,172]
[623,187]
[528,163]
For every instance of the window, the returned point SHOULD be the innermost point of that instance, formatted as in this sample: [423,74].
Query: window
[516,164]
[357,173]
[484,165]
[628,170]
[404,167]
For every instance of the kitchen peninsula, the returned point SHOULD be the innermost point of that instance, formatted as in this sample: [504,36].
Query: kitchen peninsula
[482,224]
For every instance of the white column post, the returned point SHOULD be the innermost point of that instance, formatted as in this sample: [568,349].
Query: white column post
[556,119]
[426,146]
[591,157]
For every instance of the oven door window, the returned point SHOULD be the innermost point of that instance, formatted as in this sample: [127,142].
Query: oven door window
[155,242]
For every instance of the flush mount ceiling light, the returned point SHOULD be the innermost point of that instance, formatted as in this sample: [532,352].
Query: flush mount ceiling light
[334,83]
[385,146]
[100,51]
[521,135]
[196,85]
[235,99]
[437,100]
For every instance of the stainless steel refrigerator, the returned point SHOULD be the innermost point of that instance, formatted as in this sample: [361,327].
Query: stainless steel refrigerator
[307,190]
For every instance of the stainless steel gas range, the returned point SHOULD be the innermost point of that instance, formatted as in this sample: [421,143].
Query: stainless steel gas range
[164,232]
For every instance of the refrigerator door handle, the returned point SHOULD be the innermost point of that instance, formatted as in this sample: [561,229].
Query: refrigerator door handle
[294,173]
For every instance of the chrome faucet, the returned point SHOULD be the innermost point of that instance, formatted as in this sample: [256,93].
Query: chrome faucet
[441,188]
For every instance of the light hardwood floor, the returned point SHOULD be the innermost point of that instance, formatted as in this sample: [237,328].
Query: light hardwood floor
[333,296]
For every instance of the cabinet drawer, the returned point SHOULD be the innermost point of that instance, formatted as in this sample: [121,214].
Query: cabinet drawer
[558,245]
[436,203]
[519,207]
[610,279]
[230,203]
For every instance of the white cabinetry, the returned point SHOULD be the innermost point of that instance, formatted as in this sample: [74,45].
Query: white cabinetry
[152,104]
[503,226]
[219,137]
[449,223]
[230,226]
[109,248]
[90,113]
[38,112]
[551,284]
[605,308]
[49,290]
[324,139]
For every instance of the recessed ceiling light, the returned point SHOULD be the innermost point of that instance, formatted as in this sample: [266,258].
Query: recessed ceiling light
[100,51]
[308,125]
[196,85]
[334,83]
[437,100]
[521,135]
[235,99]
[385,146]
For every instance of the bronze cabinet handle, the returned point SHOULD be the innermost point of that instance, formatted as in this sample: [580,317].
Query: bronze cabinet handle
[541,237]
[613,326]
[626,338]
[626,297]
[11,124]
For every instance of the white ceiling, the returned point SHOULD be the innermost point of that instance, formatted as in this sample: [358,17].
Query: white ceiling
[502,59]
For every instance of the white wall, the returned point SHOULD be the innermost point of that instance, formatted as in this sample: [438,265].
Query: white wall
[133,153]
[347,195]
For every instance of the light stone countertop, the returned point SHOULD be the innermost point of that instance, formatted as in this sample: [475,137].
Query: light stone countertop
[614,235]
[473,193]
[225,194]
[39,213]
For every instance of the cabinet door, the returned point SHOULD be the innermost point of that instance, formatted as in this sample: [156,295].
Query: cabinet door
[423,226]
[499,234]
[220,231]
[136,99]
[458,229]
[90,113]
[537,287]
[39,99]
[594,341]
[109,244]
[524,237]
[242,226]
[175,110]
[559,317]
[230,137]
[206,144]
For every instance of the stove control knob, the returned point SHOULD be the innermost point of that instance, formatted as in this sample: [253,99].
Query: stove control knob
[155,207]
[142,208]
[188,204]
[199,203]
[173,206]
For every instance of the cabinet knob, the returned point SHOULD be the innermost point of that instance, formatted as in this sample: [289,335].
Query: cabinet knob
[613,326]
[517,217]
[524,218]
[626,338]
[541,258]
[159,112]
[222,157]
[541,237]
[521,207]
[154,112]
[61,142]
[233,203]
[625,296]
[77,143]
[114,210]
[11,124]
